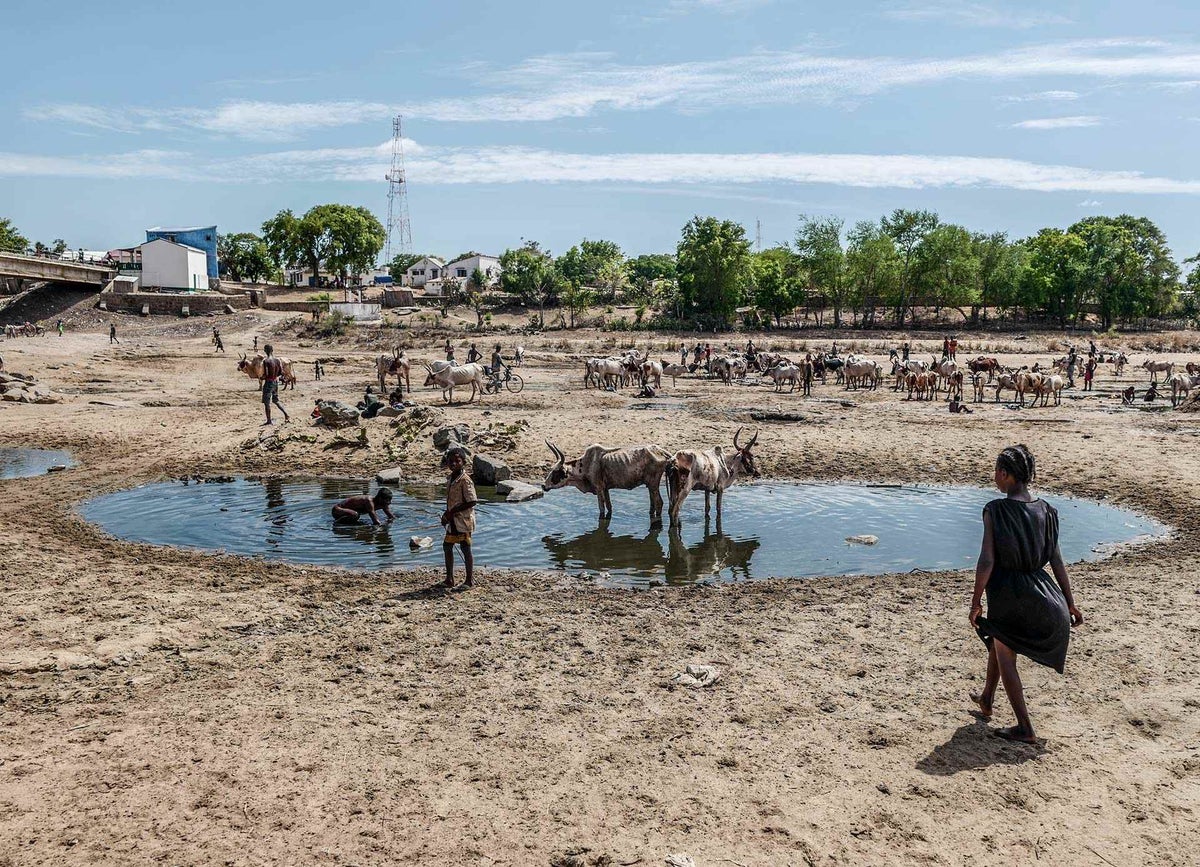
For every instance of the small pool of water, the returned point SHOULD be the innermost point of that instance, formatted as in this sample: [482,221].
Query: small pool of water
[21,463]
[769,530]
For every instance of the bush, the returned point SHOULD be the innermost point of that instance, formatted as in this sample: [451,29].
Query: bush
[321,296]
[334,325]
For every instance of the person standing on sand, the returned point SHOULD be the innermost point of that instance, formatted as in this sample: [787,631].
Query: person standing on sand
[459,517]
[60,328]
[449,350]
[220,346]
[1027,612]
[112,333]
[907,349]
[1089,373]
[272,370]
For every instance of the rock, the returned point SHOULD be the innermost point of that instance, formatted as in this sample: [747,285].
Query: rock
[507,486]
[862,539]
[335,414]
[57,468]
[389,412]
[521,492]
[487,470]
[418,542]
[454,434]
[391,476]
[228,308]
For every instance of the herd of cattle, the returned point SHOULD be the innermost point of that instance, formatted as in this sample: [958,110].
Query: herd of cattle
[922,380]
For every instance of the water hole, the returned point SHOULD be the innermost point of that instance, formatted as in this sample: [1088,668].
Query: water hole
[21,463]
[776,529]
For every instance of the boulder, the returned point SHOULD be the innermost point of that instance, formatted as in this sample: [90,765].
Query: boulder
[453,434]
[520,492]
[487,470]
[334,413]
[229,308]
[507,486]
[862,539]
[390,476]
[418,542]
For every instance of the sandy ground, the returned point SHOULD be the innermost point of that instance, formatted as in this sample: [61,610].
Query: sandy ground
[158,706]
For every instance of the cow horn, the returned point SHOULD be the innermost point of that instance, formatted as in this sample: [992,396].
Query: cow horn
[555,449]
[753,440]
[735,438]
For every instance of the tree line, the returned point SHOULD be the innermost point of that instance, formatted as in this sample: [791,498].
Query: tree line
[907,264]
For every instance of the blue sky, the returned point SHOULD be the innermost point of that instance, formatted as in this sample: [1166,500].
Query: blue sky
[620,120]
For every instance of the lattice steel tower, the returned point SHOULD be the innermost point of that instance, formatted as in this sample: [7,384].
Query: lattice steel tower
[399,229]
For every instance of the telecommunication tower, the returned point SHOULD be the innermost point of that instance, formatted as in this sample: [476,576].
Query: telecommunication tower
[399,229]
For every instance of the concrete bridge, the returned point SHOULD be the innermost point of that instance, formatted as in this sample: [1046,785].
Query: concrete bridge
[55,270]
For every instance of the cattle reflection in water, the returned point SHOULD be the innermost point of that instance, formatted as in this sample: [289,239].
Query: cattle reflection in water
[602,550]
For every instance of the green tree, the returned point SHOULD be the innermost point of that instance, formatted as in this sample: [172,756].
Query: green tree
[244,256]
[821,258]
[714,268]
[11,240]
[344,238]
[58,247]
[401,262]
[576,299]
[529,273]
[1135,249]
[873,268]
[774,291]
[477,295]
[1056,277]
[647,271]
[946,268]
[594,263]
[998,278]
[908,230]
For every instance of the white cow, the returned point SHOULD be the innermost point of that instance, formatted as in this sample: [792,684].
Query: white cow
[448,375]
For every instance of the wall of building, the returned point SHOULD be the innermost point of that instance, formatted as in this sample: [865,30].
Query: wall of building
[204,238]
[171,266]
[172,303]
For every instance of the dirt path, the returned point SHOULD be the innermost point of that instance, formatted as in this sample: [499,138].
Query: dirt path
[170,707]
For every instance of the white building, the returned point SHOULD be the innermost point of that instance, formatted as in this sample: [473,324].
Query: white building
[462,270]
[169,265]
[422,271]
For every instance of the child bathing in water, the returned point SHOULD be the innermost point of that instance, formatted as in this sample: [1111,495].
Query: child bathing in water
[348,511]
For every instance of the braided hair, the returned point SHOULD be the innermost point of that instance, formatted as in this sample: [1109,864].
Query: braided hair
[1018,462]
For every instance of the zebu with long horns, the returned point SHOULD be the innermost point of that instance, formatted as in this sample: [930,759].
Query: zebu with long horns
[397,365]
[711,471]
[448,375]
[253,368]
[601,469]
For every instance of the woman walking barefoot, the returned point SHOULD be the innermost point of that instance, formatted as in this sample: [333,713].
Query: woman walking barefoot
[1027,613]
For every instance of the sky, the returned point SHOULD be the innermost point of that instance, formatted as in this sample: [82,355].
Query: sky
[617,120]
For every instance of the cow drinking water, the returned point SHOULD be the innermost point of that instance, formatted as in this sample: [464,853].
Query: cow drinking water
[711,471]
[601,469]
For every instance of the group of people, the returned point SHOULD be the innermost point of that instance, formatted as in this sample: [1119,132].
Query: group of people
[458,519]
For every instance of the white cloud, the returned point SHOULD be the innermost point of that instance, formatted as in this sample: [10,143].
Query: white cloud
[1090,203]
[1044,96]
[966,14]
[504,165]
[578,85]
[685,7]
[1078,120]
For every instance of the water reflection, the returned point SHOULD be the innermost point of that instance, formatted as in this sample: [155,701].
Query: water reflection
[715,554]
[602,550]
[367,535]
[20,463]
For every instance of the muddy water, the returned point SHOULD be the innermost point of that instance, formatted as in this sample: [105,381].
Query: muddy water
[20,463]
[769,530]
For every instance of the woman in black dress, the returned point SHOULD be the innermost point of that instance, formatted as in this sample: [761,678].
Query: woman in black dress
[1028,613]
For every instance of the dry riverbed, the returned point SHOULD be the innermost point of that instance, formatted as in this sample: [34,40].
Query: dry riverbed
[162,706]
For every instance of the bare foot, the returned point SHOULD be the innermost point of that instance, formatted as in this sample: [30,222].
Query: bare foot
[985,708]
[1017,734]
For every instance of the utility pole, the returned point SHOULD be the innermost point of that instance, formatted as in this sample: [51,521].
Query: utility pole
[758,234]
[399,229]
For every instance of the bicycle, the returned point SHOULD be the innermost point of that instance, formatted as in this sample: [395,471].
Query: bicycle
[512,381]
